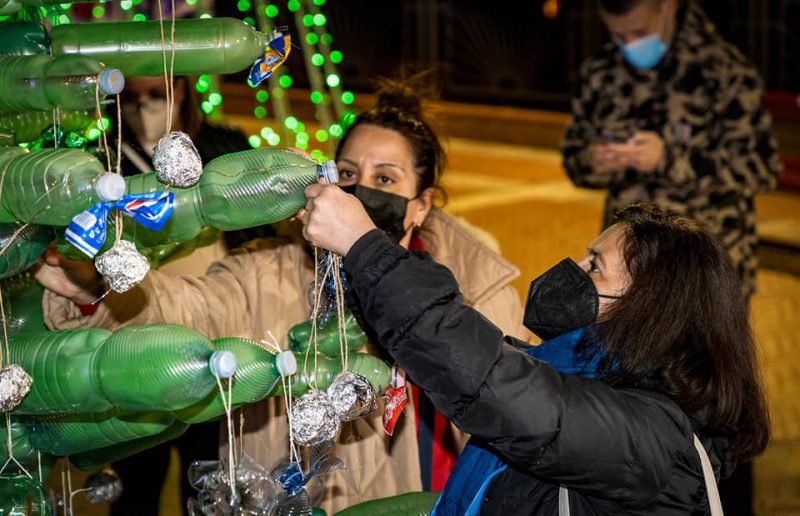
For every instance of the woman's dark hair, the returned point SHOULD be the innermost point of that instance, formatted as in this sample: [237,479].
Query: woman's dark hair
[620,7]
[399,108]
[682,327]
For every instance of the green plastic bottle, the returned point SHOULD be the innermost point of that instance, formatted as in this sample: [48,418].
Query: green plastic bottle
[67,434]
[328,336]
[93,459]
[51,186]
[28,125]
[153,367]
[418,504]
[13,6]
[21,445]
[214,46]
[371,367]
[43,82]
[22,38]
[258,371]
[21,494]
[60,364]
[24,249]
[23,305]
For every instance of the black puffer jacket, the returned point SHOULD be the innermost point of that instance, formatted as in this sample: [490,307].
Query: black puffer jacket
[619,451]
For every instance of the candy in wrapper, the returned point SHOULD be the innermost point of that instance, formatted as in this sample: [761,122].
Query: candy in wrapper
[14,386]
[314,420]
[352,396]
[123,266]
[176,160]
[254,492]
[276,53]
[105,486]
[396,400]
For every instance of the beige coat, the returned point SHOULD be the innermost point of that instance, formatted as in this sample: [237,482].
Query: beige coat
[265,289]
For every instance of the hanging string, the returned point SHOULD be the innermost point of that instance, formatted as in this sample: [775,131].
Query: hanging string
[102,125]
[226,404]
[7,360]
[69,487]
[10,446]
[164,61]
[64,488]
[318,289]
[344,350]
[294,455]
[39,460]
[118,219]
[56,125]
[171,110]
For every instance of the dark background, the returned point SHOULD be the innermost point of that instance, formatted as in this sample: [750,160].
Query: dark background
[510,52]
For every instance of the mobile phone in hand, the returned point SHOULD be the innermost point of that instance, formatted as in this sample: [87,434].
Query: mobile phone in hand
[609,137]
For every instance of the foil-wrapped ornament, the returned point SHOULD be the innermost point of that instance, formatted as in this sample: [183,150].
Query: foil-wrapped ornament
[314,419]
[352,396]
[103,487]
[176,160]
[15,384]
[122,266]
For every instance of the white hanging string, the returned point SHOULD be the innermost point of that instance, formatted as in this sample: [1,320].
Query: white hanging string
[344,350]
[294,455]
[312,338]
[226,403]
[169,75]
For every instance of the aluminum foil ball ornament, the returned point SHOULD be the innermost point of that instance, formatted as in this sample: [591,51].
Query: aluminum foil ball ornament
[103,487]
[15,384]
[352,396]
[122,266]
[177,161]
[314,419]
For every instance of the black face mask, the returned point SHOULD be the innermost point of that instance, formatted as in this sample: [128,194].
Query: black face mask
[561,300]
[387,210]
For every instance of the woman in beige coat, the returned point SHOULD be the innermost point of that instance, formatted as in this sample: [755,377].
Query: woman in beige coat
[391,160]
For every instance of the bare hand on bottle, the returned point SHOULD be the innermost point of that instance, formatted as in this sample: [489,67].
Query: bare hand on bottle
[333,219]
[75,280]
[643,152]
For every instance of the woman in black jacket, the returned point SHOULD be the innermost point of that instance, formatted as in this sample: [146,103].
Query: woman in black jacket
[677,358]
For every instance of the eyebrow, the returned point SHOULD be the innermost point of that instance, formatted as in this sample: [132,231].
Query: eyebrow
[598,256]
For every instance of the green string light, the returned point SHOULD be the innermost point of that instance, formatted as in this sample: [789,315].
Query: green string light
[293,5]
[317,59]
[327,39]
[93,134]
[139,17]
[191,2]
[290,123]
[98,11]
[266,131]
[215,99]
[254,140]
[127,4]
[271,11]
[321,135]
[250,21]
[348,97]
[348,118]
[302,137]
[319,19]
[207,107]
[319,2]
[312,38]
[285,81]
[318,155]
[316,97]
[243,6]
[336,130]
[64,19]
[333,80]
[260,112]
[202,84]
[308,20]
[262,95]
[274,139]
[336,57]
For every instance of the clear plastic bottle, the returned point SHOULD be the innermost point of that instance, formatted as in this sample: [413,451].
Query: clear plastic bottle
[42,82]
[28,125]
[50,186]
[215,45]
[22,250]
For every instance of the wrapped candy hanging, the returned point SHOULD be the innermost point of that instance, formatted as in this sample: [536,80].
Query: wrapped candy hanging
[122,266]
[289,475]
[15,384]
[352,396]
[87,230]
[276,53]
[177,161]
[314,419]
[103,487]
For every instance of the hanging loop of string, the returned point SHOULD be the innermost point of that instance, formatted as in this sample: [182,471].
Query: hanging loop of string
[286,384]
[169,74]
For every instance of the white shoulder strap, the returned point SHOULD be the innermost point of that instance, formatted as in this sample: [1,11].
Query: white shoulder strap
[711,482]
[708,474]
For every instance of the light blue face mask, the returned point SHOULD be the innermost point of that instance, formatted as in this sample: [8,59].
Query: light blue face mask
[644,53]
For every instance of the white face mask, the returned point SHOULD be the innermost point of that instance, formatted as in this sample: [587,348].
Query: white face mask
[148,122]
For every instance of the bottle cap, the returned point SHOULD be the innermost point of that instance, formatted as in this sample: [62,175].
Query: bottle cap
[329,172]
[286,363]
[110,187]
[222,364]
[112,81]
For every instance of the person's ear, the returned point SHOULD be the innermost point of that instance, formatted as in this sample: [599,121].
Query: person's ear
[424,205]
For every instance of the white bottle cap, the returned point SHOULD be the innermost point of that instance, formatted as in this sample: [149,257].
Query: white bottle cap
[222,364]
[329,172]
[110,187]
[112,81]
[286,363]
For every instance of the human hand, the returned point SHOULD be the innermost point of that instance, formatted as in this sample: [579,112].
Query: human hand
[642,152]
[333,219]
[603,159]
[75,280]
